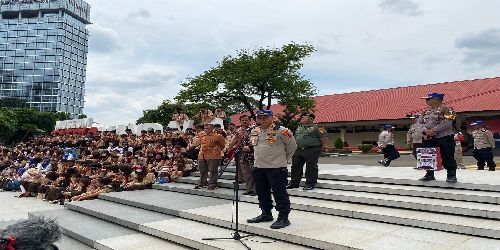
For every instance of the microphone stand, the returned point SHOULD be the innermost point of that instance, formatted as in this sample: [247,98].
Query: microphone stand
[236,188]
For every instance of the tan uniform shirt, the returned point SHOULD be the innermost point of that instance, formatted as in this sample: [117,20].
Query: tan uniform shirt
[180,118]
[385,138]
[221,115]
[414,135]
[483,138]
[206,117]
[211,147]
[440,120]
[273,147]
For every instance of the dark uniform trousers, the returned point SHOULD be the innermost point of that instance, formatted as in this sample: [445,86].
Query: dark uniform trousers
[390,153]
[415,146]
[275,179]
[483,156]
[447,147]
[308,156]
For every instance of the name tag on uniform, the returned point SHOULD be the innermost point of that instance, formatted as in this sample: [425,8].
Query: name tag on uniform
[253,140]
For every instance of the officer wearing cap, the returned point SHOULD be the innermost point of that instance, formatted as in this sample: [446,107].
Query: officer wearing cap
[483,146]
[310,139]
[386,144]
[414,137]
[273,148]
[435,124]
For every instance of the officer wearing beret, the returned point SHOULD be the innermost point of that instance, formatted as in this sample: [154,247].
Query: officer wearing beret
[310,139]
[273,147]
[436,126]
[483,146]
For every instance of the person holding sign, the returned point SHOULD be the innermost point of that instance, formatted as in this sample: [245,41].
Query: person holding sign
[436,125]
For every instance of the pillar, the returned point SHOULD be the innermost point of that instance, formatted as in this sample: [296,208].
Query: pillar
[60,13]
[342,133]
[39,14]
[20,15]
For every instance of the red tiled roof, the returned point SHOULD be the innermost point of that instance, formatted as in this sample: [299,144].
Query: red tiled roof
[396,103]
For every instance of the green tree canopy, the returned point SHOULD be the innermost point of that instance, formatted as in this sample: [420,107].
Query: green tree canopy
[82,116]
[17,124]
[13,103]
[255,78]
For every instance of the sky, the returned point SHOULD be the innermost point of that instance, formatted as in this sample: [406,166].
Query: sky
[140,51]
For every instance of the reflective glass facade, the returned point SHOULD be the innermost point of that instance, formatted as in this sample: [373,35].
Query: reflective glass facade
[43,53]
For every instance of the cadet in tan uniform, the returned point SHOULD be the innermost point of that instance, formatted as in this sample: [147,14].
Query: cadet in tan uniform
[436,124]
[273,147]
[414,137]
[483,146]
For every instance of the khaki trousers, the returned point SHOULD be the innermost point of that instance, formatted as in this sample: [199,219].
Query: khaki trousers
[458,156]
[246,171]
[207,166]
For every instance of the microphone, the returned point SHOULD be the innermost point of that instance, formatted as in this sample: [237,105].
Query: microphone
[33,233]
[254,126]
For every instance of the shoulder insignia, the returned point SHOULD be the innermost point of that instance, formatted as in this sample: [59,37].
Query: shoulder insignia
[287,133]
[276,127]
[322,130]
[488,133]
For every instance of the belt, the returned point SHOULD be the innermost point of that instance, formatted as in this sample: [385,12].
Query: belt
[310,147]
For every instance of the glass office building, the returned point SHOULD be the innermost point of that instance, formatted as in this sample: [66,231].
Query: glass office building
[43,53]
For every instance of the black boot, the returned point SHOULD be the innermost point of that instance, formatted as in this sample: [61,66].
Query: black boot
[281,222]
[451,175]
[385,162]
[429,176]
[266,216]
[491,167]
[480,167]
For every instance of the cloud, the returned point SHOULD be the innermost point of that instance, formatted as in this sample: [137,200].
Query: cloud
[103,40]
[141,13]
[482,48]
[404,7]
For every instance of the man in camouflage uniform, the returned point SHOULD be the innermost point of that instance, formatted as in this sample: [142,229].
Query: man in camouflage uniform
[483,146]
[414,137]
[310,140]
[435,124]
[273,148]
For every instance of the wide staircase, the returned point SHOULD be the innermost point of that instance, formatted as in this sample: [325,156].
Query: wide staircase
[358,208]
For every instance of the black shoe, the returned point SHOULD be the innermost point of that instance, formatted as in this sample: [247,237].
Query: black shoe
[428,178]
[480,168]
[291,186]
[451,179]
[248,193]
[281,222]
[384,162]
[308,188]
[264,217]
[253,194]
[491,167]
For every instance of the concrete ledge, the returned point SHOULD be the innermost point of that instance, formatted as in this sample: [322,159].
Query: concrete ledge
[428,220]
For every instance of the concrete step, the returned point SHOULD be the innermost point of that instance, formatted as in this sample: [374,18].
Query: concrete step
[310,229]
[407,217]
[483,210]
[470,180]
[417,191]
[182,231]
[101,234]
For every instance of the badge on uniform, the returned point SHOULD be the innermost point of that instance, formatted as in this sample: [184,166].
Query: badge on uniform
[287,133]
[321,130]
[271,140]
[311,128]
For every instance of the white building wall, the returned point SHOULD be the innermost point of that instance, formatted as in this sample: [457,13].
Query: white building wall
[354,139]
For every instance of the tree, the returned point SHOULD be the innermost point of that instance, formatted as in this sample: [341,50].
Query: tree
[338,143]
[256,78]
[163,114]
[82,116]
[13,103]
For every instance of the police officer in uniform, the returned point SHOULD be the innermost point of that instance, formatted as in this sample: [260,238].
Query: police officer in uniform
[483,146]
[310,139]
[435,124]
[386,144]
[414,137]
[273,148]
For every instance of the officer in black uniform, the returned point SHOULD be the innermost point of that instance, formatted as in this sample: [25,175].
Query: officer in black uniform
[273,148]
[310,139]
[436,124]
